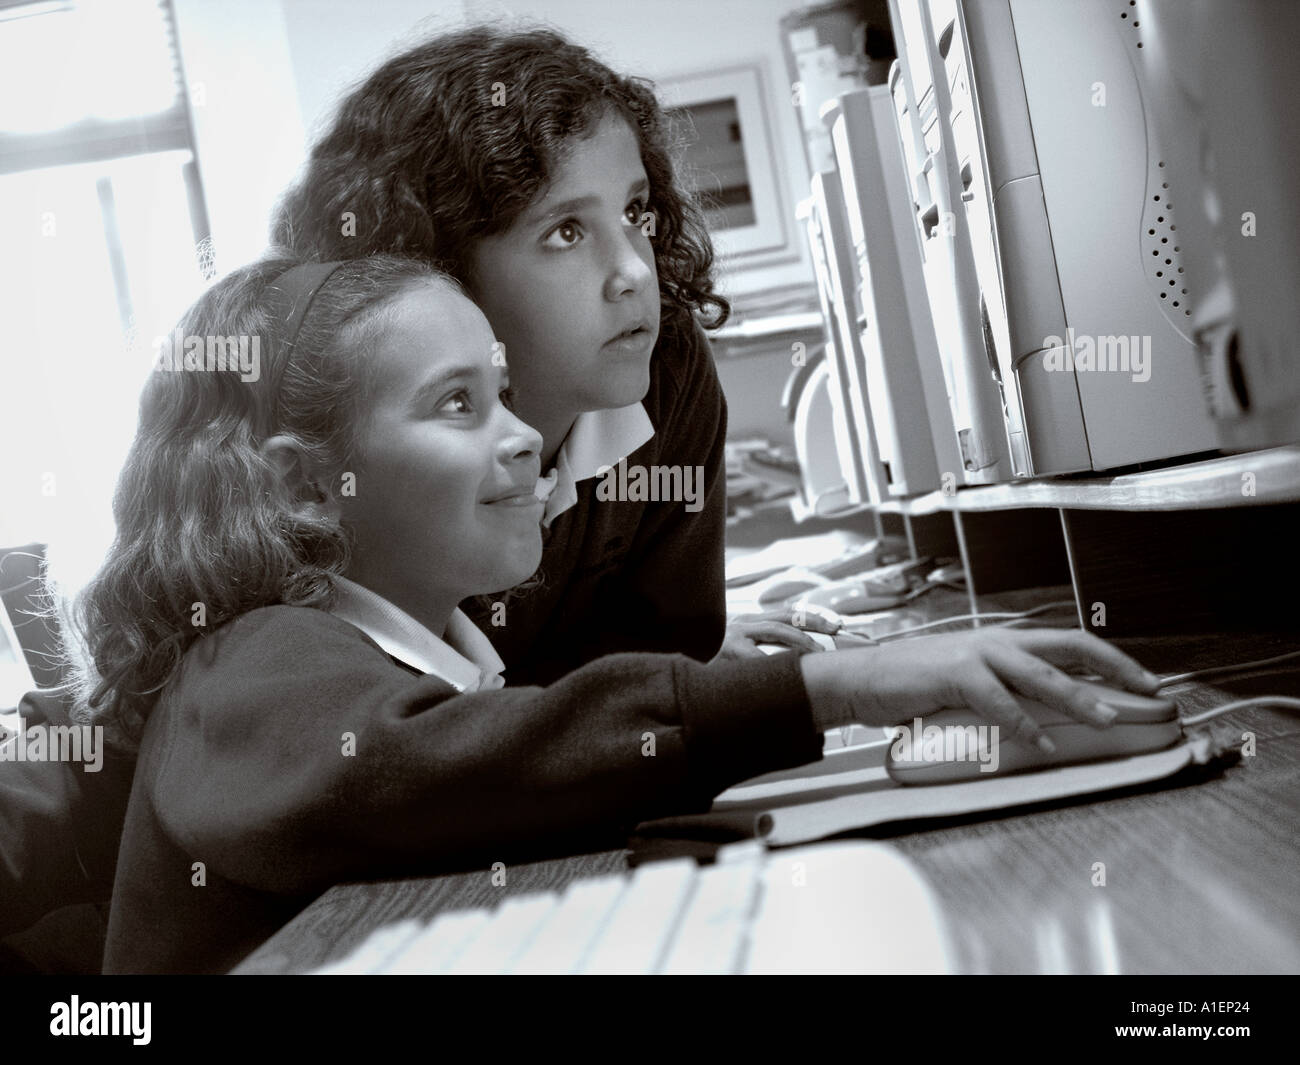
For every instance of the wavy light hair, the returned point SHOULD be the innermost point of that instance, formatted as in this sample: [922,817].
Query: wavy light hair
[199,515]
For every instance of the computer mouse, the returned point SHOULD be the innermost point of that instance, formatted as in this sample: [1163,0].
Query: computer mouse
[878,589]
[827,643]
[957,745]
[777,589]
[783,590]
[854,596]
[953,573]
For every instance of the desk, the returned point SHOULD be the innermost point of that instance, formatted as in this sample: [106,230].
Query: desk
[1199,879]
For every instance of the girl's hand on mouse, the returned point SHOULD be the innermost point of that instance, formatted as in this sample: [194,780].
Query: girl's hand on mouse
[895,682]
[784,628]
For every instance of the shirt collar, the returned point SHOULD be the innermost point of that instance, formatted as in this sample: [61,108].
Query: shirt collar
[598,438]
[465,658]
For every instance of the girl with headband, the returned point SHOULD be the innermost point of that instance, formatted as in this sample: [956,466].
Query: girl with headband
[276,632]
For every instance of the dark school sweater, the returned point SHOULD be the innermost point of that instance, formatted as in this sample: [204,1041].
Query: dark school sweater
[628,575]
[291,753]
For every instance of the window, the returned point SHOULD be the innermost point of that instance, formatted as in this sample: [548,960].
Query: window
[102,226]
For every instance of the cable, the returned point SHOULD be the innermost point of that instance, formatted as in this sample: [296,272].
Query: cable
[1009,615]
[1241,704]
[929,585]
[1010,618]
[1181,678]
[920,589]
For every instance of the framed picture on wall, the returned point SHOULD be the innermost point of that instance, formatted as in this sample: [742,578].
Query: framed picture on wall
[731,159]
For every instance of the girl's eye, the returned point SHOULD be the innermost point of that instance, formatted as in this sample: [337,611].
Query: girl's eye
[459,402]
[508,399]
[636,212]
[567,232]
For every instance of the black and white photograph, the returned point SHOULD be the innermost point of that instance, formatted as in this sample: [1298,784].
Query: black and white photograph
[690,487]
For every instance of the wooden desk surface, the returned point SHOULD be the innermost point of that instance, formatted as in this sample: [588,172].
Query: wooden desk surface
[1200,878]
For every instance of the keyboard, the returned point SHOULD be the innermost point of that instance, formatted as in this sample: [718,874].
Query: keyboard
[832,908]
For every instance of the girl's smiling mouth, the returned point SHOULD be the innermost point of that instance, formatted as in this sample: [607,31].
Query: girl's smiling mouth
[519,497]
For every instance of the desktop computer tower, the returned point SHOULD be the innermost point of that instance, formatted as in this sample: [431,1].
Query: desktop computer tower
[985,409]
[854,451]
[1219,73]
[897,387]
[1052,249]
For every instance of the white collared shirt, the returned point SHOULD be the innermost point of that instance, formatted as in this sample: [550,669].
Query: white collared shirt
[598,438]
[464,658]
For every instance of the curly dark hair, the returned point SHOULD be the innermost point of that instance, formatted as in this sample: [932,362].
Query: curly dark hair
[451,140]
[199,520]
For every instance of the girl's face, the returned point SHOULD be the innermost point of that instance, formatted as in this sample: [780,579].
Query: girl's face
[571,287]
[445,473]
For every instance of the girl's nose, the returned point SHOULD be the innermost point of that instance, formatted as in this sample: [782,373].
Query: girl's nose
[519,440]
[630,272]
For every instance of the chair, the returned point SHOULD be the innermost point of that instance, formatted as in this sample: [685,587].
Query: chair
[60,825]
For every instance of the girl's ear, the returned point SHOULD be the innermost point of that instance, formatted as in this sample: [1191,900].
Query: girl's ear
[301,489]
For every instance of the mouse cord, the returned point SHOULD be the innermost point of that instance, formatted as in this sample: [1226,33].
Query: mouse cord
[1240,667]
[1006,615]
[920,589]
[1240,704]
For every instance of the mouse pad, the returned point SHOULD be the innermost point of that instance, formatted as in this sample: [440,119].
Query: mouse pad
[782,812]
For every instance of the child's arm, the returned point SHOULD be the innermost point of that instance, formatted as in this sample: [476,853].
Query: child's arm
[294,753]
